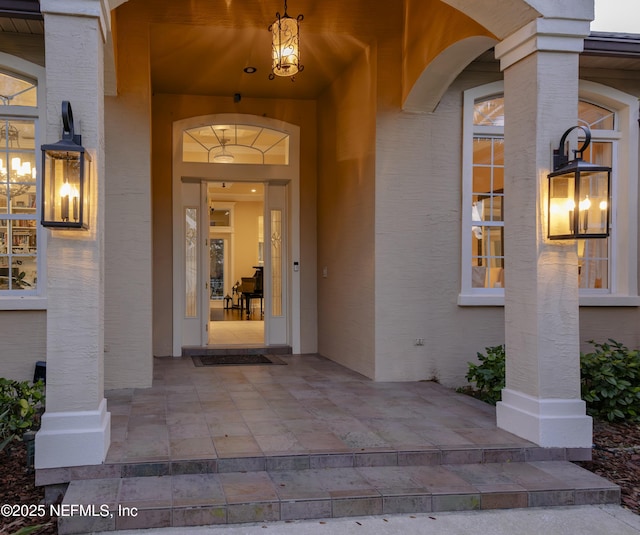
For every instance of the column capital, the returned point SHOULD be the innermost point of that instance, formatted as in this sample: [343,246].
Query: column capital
[80,8]
[542,34]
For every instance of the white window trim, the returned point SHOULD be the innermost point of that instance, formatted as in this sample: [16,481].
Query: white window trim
[20,67]
[623,250]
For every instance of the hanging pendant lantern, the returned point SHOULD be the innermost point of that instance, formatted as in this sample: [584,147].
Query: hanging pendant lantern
[285,45]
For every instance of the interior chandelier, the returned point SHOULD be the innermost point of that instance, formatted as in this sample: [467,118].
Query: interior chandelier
[19,178]
[223,156]
[285,45]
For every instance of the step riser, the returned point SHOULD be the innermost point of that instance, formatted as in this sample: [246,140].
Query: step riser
[213,351]
[322,509]
[232,498]
[428,457]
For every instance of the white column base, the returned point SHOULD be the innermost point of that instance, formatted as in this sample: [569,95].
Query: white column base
[75,438]
[550,423]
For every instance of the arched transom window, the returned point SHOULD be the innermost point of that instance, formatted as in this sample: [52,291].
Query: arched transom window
[235,144]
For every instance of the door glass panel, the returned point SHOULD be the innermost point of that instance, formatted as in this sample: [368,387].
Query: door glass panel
[276,262]
[191,262]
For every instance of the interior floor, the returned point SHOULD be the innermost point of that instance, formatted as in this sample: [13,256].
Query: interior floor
[231,327]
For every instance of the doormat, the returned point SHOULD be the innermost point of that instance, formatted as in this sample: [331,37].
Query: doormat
[235,360]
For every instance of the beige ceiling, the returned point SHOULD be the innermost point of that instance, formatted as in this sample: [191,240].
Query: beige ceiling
[202,47]
[209,60]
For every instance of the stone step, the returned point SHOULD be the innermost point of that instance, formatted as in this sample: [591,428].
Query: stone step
[425,456]
[260,496]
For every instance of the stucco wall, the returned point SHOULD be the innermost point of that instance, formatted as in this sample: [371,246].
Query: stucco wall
[128,359]
[346,190]
[418,194]
[170,108]
[24,341]
[619,323]
[418,209]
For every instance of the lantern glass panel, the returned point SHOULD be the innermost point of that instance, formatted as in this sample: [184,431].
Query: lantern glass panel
[62,170]
[561,205]
[593,203]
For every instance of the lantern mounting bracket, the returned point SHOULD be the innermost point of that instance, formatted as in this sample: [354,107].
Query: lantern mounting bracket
[561,156]
[67,124]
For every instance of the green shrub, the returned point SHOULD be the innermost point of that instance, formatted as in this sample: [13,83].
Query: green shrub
[20,406]
[488,375]
[611,381]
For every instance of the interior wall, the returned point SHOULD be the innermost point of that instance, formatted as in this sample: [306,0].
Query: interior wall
[169,108]
[245,238]
[346,217]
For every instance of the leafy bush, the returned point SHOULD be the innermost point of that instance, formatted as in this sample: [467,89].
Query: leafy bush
[611,381]
[20,407]
[488,375]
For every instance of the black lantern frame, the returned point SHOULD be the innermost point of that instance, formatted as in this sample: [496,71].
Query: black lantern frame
[65,170]
[579,199]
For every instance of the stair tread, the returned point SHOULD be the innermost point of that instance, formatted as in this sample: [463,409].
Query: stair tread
[235,497]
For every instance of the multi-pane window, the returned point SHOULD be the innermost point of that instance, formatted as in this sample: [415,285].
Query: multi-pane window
[18,186]
[483,253]
[487,195]
[593,254]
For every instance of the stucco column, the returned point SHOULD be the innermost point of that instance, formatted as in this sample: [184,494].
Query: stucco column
[541,401]
[76,425]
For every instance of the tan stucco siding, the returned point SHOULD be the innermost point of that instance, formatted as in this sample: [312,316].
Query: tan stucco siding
[128,355]
[346,216]
[23,343]
[418,218]
[431,27]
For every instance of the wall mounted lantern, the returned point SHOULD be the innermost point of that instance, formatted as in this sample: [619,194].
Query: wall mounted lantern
[65,188]
[285,45]
[579,198]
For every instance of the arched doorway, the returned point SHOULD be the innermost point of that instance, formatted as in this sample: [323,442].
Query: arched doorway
[208,153]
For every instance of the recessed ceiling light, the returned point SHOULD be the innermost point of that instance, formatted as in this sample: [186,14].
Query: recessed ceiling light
[250,70]
[253,190]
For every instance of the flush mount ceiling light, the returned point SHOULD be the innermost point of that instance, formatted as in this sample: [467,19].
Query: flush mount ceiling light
[285,45]
[223,156]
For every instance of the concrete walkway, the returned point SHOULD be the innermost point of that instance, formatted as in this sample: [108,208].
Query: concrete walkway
[577,520]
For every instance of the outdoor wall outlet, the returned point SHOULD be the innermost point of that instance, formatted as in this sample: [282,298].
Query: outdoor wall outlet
[419,341]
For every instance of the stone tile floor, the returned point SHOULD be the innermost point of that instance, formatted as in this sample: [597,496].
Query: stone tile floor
[311,405]
[310,439]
